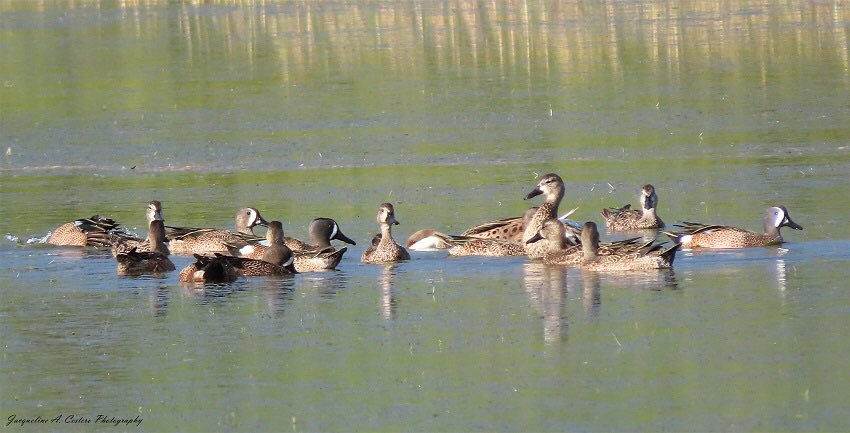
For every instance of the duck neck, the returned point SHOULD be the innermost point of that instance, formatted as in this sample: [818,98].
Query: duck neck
[771,230]
[245,230]
[156,242]
[589,250]
[386,233]
[549,208]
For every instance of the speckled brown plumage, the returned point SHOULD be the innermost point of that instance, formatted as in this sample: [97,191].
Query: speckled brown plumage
[320,256]
[655,256]
[155,261]
[560,253]
[385,249]
[625,218]
[208,269]
[552,187]
[193,240]
[93,232]
[696,235]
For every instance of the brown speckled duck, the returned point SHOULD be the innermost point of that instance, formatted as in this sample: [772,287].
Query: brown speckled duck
[696,235]
[98,231]
[193,240]
[552,187]
[471,246]
[208,269]
[562,253]
[383,248]
[654,256]
[321,256]
[154,261]
[625,218]
[91,232]
[276,260]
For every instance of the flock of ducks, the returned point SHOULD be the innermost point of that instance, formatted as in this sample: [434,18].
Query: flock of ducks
[223,255]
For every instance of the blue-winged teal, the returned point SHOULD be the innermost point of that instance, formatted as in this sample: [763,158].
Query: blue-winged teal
[321,256]
[696,235]
[93,232]
[208,269]
[426,240]
[625,218]
[192,240]
[122,242]
[471,246]
[277,259]
[383,248]
[154,261]
[563,253]
[97,231]
[322,231]
[654,256]
[507,229]
[552,187]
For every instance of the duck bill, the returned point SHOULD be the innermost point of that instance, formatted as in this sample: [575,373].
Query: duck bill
[534,193]
[261,221]
[534,238]
[341,237]
[392,221]
[792,224]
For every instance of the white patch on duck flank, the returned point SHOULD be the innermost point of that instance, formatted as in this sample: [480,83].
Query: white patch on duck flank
[246,250]
[429,243]
[686,240]
[288,262]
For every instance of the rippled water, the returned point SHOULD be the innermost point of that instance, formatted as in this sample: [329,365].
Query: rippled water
[448,110]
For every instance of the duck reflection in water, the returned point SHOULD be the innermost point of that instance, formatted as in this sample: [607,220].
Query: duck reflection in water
[158,300]
[326,284]
[386,281]
[278,293]
[546,287]
[591,297]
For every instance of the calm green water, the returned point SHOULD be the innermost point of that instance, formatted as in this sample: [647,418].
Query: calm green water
[448,110]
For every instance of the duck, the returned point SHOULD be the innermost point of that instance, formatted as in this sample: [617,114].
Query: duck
[312,258]
[625,218]
[561,252]
[654,256]
[383,249]
[208,269]
[85,232]
[697,235]
[277,258]
[97,231]
[322,231]
[122,241]
[430,239]
[551,186]
[193,240]
[472,246]
[156,260]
